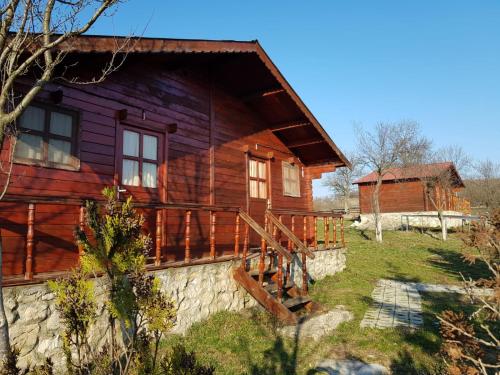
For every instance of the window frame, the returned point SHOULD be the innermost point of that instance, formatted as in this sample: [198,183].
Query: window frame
[258,179]
[285,165]
[141,159]
[46,135]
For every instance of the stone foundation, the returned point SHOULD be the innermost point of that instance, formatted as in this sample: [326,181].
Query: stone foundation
[392,220]
[198,291]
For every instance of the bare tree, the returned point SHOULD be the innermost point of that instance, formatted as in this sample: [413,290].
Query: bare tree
[34,37]
[484,187]
[386,147]
[457,155]
[471,343]
[340,181]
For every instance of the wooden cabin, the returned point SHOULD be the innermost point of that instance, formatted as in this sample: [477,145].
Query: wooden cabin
[208,138]
[407,190]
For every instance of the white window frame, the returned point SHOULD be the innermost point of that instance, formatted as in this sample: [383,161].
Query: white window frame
[295,193]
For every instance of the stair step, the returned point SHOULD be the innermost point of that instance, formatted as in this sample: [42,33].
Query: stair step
[272,288]
[270,271]
[297,301]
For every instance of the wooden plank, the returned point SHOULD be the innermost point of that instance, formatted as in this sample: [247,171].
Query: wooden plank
[263,297]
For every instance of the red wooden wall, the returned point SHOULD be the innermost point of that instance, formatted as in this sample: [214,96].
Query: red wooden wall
[404,196]
[207,117]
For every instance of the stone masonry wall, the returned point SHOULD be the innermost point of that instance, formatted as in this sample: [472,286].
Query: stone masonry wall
[198,291]
[392,220]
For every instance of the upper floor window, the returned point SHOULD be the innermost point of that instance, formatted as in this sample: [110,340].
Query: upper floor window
[140,160]
[257,175]
[48,137]
[291,180]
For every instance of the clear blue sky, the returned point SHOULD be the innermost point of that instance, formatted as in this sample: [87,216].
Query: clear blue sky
[434,62]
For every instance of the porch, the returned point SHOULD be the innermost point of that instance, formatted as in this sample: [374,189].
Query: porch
[39,243]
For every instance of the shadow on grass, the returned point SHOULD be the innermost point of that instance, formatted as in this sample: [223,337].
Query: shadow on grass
[452,263]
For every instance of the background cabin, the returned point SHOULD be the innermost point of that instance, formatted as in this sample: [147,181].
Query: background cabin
[404,190]
[194,131]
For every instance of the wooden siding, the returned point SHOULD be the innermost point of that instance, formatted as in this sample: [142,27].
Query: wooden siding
[198,107]
[407,196]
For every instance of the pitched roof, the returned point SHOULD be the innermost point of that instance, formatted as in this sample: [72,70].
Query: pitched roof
[413,172]
[266,89]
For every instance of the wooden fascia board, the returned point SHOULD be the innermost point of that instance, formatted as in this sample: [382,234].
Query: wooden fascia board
[281,79]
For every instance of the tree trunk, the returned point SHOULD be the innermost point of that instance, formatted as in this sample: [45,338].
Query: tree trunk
[4,325]
[444,227]
[346,204]
[376,211]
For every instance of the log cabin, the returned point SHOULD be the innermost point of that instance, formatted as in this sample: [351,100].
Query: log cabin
[214,145]
[405,190]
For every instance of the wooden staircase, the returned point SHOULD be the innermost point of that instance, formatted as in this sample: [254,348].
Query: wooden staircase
[267,283]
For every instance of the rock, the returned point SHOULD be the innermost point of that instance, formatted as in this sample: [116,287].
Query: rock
[317,326]
[350,367]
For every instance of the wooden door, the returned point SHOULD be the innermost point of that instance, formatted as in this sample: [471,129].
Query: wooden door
[140,163]
[258,192]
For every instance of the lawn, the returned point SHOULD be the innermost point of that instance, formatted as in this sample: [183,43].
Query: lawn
[247,343]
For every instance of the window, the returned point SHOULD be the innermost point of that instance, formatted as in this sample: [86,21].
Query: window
[140,159]
[47,137]
[257,176]
[291,180]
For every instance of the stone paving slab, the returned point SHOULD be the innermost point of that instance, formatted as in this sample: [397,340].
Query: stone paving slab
[399,304]
[350,367]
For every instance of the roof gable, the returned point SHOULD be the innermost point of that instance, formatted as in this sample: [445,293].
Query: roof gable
[266,89]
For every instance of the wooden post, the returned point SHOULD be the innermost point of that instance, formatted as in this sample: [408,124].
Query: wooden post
[245,248]
[263,251]
[81,224]
[342,231]
[187,235]
[280,277]
[326,231]
[237,235]
[334,223]
[30,242]
[158,237]
[315,219]
[304,272]
[212,234]
[289,244]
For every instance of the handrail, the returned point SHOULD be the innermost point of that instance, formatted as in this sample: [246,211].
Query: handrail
[307,213]
[265,235]
[79,202]
[284,229]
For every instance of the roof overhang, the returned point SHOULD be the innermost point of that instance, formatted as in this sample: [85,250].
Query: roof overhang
[262,86]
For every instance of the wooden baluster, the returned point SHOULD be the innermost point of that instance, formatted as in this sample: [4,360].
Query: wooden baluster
[187,235]
[263,252]
[30,242]
[81,224]
[164,232]
[342,231]
[245,248]
[237,236]
[280,277]
[334,221]
[212,234]
[159,225]
[305,230]
[280,219]
[326,231]
[289,244]
[315,219]
[290,249]
[304,272]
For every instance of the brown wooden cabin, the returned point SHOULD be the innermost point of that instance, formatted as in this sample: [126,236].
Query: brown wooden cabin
[403,190]
[198,132]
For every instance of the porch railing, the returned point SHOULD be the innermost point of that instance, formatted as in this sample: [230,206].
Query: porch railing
[229,234]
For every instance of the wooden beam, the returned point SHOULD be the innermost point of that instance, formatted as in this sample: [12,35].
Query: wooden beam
[307,142]
[262,94]
[288,125]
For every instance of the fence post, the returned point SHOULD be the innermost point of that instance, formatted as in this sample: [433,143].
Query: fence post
[237,235]
[212,234]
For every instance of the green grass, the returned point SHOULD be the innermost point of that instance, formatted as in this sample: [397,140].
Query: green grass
[247,343]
